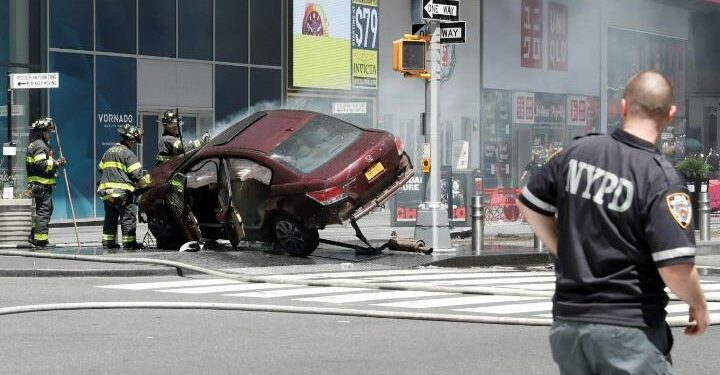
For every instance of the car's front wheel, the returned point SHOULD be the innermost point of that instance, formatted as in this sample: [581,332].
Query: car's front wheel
[294,238]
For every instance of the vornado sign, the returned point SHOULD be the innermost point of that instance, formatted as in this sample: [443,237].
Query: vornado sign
[115,118]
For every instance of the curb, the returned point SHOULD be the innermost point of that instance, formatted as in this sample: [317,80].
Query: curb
[164,271]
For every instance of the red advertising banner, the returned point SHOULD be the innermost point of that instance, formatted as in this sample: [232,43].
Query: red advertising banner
[531,33]
[557,36]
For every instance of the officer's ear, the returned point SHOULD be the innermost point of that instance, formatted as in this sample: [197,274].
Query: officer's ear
[623,108]
[672,113]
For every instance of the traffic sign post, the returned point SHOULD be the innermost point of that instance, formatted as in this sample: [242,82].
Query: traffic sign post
[441,10]
[452,32]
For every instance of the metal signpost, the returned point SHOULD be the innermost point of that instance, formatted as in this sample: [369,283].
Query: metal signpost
[432,224]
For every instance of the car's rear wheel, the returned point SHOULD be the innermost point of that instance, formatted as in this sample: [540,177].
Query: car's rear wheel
[165,235]
[294,238]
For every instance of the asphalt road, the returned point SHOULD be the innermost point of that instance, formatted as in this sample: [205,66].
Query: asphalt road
[218,342]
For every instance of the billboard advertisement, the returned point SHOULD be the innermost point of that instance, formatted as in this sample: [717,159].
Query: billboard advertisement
[335,44]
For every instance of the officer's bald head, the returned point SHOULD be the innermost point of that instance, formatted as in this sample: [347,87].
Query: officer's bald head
[649,95]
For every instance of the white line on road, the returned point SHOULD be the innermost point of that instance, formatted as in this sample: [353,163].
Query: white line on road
[466,275]
[510,309]
[507,280]
[355,274]
[363,297]
[170,284]
[226,288]
[296,292]
[457,301]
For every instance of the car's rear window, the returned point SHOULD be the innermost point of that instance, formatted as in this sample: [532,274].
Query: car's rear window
[316,143]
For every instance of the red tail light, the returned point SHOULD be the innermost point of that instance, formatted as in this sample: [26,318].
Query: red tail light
[399,145]
[327,196]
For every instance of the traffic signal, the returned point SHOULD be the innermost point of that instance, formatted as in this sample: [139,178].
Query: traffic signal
[409,55]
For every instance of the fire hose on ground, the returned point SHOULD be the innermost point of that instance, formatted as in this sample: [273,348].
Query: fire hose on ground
[347,283]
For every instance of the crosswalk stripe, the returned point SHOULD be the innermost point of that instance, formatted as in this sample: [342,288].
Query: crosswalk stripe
[467,275]
[355,274]
[295,292]
[707,287]
[363,297]
[170,284]
[712,295]
[457,301]
[541,286]
[225,288]
[508,280]
[682,307]
[510,309]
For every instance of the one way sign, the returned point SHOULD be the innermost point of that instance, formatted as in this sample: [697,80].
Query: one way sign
[443,10]
[452,32]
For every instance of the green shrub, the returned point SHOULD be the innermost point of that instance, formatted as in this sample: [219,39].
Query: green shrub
[694,169]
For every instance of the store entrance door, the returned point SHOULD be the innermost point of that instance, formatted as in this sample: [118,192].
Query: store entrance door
[153,130]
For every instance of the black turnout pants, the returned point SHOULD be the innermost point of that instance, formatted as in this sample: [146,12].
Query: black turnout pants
[124,210]
[43,210]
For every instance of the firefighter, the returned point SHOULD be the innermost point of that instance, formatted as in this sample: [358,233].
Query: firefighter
[121,171]
[41,170]
[170,144]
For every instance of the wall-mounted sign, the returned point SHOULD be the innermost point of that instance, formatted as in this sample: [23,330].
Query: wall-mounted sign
[365,22]
[349,108]
[34,80]
[577,111]
[18,110]
[335,44]
[557,36]
[531,33]
[523,108]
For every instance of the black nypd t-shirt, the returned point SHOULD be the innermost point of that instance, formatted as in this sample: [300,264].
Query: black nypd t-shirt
[623,211]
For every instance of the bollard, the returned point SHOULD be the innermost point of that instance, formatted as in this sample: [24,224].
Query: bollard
[478,225]
[704,215]
[537,244]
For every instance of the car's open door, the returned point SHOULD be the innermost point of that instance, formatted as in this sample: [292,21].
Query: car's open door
[232,222]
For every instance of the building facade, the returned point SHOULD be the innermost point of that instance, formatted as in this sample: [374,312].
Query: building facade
[531,75]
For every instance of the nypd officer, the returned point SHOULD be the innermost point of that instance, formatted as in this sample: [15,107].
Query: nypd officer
[41,170]
[618,217]
[121,171]
[170,145]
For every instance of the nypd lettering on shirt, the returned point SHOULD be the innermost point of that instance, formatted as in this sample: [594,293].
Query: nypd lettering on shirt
[617,191]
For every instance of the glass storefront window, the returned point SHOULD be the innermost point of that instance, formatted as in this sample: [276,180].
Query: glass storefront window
[231,37]
[71,24]
[115,26]
[231,92]
[265,86]
[195,29]
[157,28]
[265,30]
[71,106]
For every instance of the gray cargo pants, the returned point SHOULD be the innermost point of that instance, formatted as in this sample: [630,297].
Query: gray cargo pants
[598,349]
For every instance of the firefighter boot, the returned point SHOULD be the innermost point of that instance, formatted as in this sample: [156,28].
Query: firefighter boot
[110,245]
[131,246]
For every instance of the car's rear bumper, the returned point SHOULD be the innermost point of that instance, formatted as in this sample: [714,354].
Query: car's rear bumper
[385,195]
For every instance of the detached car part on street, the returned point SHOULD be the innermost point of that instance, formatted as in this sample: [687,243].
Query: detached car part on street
[276,176]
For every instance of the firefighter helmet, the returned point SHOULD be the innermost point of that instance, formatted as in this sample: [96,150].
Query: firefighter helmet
[43,124]
[130,133]
[170,117]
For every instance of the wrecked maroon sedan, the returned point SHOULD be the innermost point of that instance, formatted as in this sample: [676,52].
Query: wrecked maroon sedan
[276,176]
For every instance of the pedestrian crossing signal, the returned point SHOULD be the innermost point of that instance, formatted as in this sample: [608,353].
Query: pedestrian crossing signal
[409,55]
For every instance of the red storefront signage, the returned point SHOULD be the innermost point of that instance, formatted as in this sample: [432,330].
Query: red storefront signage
[557,36]
[524,108]
[531,33]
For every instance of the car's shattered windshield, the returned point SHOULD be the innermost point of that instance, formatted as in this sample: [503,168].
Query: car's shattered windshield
[315,144]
